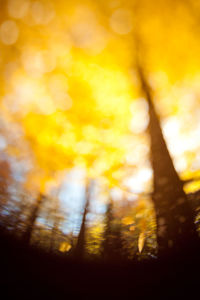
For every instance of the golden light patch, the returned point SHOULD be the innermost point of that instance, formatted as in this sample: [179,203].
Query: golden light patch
[64,247]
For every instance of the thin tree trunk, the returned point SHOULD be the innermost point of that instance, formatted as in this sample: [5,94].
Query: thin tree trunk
[107,246]
[80,246]
[54,214]
[112,244]
[53,235]
[5,179]
[176,231]
[54,230]
[32,218]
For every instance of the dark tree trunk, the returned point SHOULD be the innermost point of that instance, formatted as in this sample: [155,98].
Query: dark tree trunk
[176,231]
[80,246]
[5,179]
[112,244]
[56,223]
[53,236]
[32,218]
[107,243]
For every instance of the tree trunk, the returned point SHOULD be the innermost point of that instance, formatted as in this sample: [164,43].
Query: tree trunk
[80,246]
[32,218]
[54,214]
[176,231]
[107,245]
[5,179]
[112,244]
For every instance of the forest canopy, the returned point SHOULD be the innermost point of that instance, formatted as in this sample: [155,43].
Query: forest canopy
[75,117]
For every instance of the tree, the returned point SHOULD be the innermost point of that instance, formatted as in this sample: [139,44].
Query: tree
[5,179]
[112,242]
[57,219]
[32,218]
[70,68]
[79,250]
[176,231]
[107,243]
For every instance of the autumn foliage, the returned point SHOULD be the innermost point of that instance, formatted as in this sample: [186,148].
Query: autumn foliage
[99,126]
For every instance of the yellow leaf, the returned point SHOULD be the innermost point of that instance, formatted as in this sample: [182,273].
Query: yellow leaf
[132,228]
[64,247]
[127,221]
[141,241]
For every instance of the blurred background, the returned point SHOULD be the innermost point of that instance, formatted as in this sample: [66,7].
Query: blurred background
[74,145]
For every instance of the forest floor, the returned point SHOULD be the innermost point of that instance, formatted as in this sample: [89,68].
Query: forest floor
[33,274]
